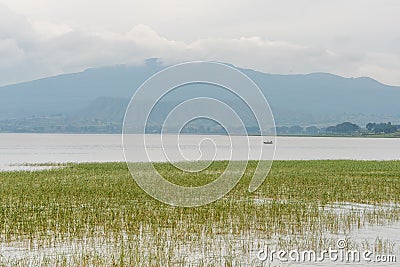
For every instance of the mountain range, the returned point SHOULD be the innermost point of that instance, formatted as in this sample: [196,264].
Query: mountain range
[103,94]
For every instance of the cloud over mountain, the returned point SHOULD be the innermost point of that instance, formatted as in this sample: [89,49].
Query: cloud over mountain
[31,49]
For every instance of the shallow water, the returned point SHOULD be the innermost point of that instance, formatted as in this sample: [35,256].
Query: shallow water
[242,248]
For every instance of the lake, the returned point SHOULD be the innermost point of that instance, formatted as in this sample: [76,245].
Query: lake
[16,149]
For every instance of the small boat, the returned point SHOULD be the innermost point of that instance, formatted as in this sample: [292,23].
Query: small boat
[268,142]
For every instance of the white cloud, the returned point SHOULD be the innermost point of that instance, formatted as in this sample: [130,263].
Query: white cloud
[49,29]
[14,54]
[33,48]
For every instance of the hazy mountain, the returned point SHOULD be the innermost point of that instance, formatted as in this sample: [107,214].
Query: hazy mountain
[68,93]
[103,108]
[103,93]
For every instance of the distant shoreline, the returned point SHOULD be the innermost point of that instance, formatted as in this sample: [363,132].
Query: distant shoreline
[355,136]
[396,135]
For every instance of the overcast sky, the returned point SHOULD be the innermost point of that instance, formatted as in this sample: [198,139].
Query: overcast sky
[351,38]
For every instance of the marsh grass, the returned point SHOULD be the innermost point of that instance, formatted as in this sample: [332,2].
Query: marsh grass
[95,214]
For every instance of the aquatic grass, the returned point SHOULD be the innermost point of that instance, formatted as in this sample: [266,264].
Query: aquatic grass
[96,214]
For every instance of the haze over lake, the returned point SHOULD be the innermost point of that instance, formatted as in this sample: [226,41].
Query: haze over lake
[16,149]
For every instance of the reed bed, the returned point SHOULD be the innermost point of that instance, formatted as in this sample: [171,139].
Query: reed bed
[94,214]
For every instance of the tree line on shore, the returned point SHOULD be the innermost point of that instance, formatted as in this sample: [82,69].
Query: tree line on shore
[345,128]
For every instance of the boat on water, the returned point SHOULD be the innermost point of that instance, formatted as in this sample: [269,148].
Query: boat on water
[268,142]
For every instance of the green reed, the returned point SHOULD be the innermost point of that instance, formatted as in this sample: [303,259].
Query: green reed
[98,209]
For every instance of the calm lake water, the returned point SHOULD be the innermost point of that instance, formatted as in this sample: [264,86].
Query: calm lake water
[16,149]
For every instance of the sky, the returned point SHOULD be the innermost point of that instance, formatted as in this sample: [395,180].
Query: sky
[353,38]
